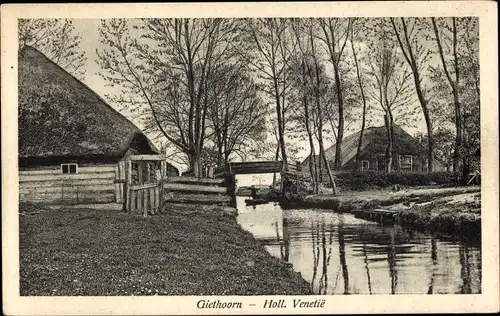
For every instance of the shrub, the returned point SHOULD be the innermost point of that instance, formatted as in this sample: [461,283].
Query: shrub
[373,179]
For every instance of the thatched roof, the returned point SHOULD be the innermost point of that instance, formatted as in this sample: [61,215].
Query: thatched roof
[59,116]
[374,143]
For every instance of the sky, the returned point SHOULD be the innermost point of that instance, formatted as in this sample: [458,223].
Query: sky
[88,30]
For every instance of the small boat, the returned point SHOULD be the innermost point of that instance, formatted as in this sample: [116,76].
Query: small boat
[256,201]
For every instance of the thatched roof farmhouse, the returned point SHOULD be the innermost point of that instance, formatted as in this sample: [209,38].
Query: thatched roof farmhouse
[66,128]
[409,154]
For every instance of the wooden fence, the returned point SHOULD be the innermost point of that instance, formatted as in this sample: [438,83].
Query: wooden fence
[198,191]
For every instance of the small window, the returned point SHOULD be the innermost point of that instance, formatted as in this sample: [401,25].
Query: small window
[405,162]
[425,164]
[381,163]
[365,165]
[69,168]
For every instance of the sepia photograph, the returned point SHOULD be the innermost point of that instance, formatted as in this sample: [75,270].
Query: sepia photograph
[286,158]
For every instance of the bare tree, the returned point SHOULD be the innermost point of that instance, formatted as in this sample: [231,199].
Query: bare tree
[167,73]
[453,82]
[335,36]
[312,86]
[57,39]
[320,84]
[302,84]
[237,115]
[391,88]
[409,35]
[458,55]
[270,39]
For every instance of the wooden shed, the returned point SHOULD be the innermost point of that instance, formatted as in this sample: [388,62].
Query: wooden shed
[73,147]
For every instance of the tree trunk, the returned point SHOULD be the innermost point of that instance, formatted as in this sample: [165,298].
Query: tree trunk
[320,164]
[388,148]
[391,151]
[430,143]
[428,121]
[465,171]
[220,157]
[360,142]
[458,136]
[312,167]
[340,129]
[226,156]
[281,132]
[194,164]
[330,175]
[276,156]
[322,152]
[335,56]
[312,160]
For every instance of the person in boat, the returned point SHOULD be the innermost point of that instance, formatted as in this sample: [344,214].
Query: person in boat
[253,192]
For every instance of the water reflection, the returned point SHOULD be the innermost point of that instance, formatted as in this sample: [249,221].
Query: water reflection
[434,264]
[365,257]
[343,263]
[340,254]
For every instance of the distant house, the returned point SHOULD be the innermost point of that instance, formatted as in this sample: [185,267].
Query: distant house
[72,145]
[409,154]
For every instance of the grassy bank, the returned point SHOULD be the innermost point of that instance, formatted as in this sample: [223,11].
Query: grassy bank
[182,252]
[456,215]
[425,209]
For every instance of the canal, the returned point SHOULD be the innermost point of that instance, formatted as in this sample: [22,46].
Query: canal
[340,254]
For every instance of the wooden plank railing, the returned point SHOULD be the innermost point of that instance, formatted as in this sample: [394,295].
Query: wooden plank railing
[194,180]
[250,167]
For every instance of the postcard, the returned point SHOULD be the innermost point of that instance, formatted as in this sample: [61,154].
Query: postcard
[250,158]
